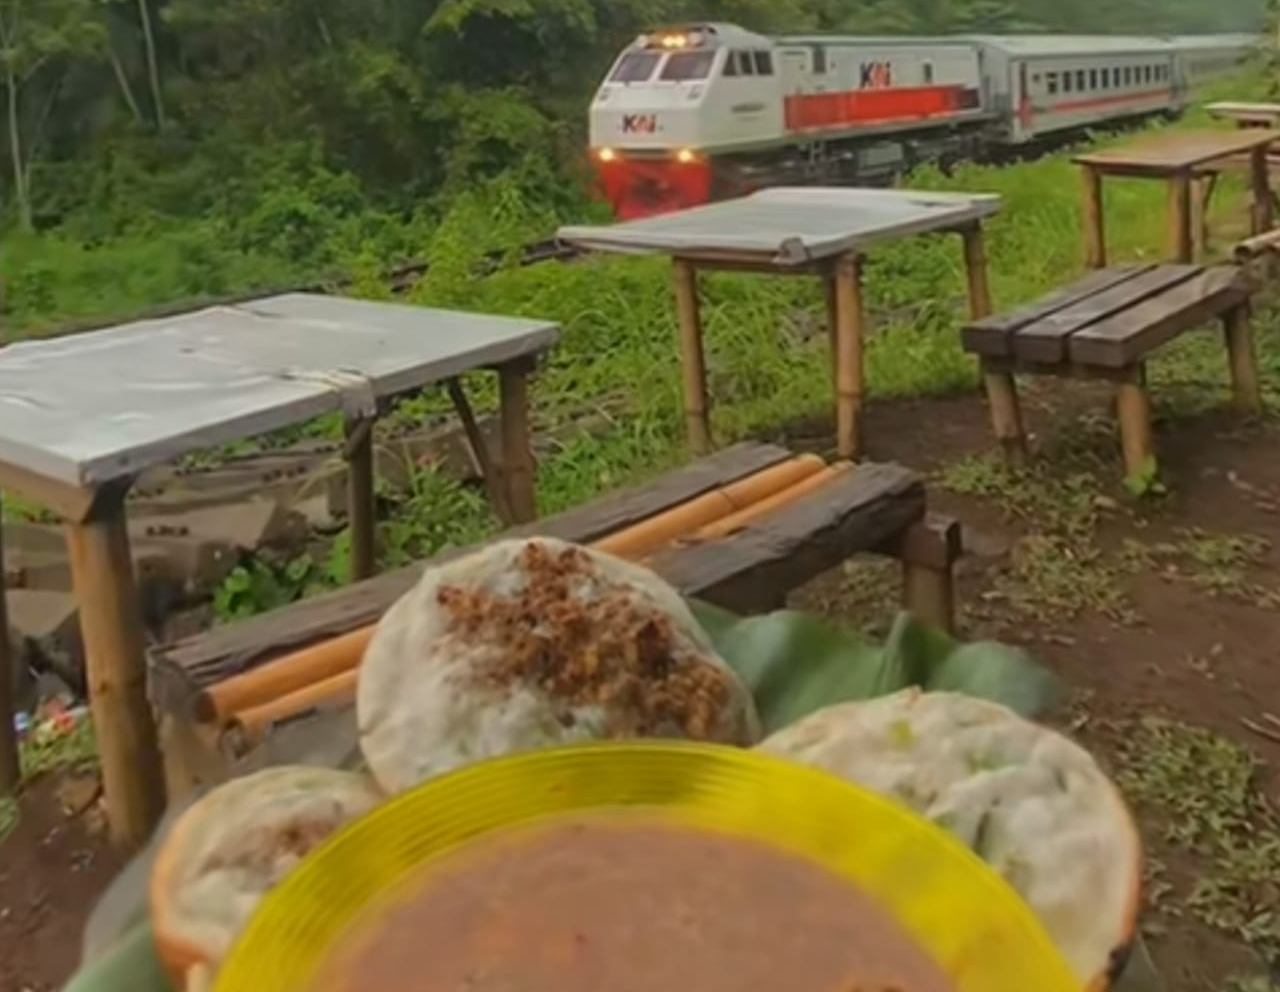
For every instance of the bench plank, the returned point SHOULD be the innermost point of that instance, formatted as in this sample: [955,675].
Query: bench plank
[992,335]
[1126,338]
[225,651]
[857,511]
[1046,340]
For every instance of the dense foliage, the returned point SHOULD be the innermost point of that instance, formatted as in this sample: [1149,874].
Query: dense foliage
[213,145]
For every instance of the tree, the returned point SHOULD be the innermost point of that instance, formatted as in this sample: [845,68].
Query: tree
[38,39]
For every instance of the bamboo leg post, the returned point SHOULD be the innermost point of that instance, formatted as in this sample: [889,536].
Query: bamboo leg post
[1260,180]
[116,672]
[833,323]
[1200,204]
[848,356]
[691,357]
[1179,217]
[928,551]
[1095,239]
[1242,360]
[517,440]
[10,769]
[1134,412]
[361,506]
[489,472]
[1006,414]
[975,270]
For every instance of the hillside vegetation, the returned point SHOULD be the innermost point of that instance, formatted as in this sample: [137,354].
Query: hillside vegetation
[168,149]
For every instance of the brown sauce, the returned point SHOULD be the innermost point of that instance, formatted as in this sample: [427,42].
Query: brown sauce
[612,905]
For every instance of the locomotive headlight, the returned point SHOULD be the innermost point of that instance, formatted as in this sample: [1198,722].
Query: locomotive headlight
[606,154]
[686,156]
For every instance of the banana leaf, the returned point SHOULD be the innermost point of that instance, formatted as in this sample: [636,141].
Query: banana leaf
[795,663]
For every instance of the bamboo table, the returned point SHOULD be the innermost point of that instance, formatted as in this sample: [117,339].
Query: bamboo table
[1179,159]
[816,231]
[81,416]
[1245,115]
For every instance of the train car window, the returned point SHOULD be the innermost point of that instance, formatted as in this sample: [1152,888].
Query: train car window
[1093,79]
[1051,80]
[1080,80]
[764,63]
[928,73]
[1066,82]
[682,67]
[819,59]
[635,67]
[731,64]
[746,67]
[1106,79]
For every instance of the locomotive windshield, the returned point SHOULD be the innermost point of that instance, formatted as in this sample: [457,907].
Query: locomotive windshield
[635,67]
[683,66]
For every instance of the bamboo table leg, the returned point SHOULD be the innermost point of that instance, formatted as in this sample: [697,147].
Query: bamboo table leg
[833,322]
[116,672]
[1204,189]
[10,771]
[517,440]
[1001,390]
[1095,242]
[848,356]
[1242,360]
[1260,180]
[691,357]
[361,507]
[489,472]
[1134,412]
[1179,217]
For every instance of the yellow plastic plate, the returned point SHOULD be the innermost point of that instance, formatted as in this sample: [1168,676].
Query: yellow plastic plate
[960,911]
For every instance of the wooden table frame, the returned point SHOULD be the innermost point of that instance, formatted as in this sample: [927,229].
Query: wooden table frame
[95,523]
[846,326]
[1182,173]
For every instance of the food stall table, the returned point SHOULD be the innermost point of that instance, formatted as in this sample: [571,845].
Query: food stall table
[82,416]
[819,231]
[1179,158]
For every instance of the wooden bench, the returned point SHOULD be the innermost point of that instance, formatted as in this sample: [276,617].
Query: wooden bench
[878,508]
[1108,324]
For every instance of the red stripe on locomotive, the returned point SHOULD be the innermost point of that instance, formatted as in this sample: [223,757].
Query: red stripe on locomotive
[821,110]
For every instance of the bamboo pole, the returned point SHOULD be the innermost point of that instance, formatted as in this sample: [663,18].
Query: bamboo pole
[1095,238]
[361,508]
[114,641]
[251,723]
[848,357]
[10,767]
[692,362]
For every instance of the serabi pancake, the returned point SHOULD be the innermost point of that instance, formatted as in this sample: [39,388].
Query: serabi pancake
[531,643]
[234,845]
[1028,801]
[627,904]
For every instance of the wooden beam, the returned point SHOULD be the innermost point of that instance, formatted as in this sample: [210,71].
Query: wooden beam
[691,357]
[115,662]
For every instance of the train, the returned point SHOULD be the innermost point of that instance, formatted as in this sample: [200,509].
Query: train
[698,112]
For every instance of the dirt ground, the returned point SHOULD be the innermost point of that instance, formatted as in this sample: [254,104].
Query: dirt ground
[1161,615]
[52,868]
